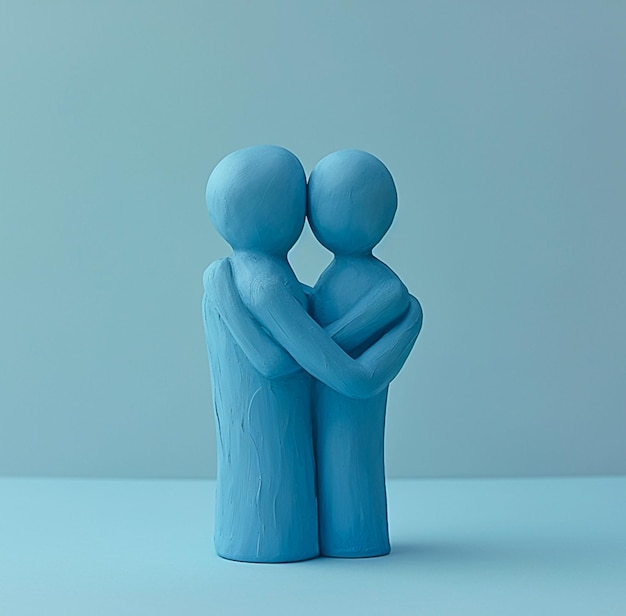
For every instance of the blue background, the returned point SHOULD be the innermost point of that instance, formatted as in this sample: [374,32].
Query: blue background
[504,125]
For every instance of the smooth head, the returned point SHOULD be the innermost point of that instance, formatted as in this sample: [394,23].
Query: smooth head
[257,199]
[352,200]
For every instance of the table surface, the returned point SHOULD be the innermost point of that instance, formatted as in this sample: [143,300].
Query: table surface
[490,546]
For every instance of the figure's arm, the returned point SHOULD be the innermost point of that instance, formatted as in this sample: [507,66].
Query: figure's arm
[271,360]
[291,326]
[373,314]
[398,347]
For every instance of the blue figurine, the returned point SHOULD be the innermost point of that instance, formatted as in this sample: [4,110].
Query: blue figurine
[352,201]
[264,347]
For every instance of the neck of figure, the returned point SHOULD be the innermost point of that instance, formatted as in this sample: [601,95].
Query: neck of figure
[354,258]
[257,258]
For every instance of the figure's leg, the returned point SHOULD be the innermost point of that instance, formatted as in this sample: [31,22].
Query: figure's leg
[349,449]
[266,509]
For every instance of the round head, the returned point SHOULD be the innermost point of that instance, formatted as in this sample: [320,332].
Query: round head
[352,200]
[257,199]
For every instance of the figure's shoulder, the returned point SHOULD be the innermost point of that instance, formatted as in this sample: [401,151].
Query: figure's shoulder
[213,273]
[386,276]
[354,278]
[265,283]
[256,279]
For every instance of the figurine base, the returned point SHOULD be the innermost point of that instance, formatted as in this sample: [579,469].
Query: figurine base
[371,553]
[253,559]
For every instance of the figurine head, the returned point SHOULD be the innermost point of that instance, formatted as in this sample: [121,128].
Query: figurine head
[352,200]
[257,199]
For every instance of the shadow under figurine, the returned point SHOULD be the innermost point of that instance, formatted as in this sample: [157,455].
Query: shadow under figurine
[292,394]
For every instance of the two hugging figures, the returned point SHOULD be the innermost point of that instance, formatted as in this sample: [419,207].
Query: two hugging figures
[300,375]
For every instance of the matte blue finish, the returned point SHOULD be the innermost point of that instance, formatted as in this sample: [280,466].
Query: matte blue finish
[351,204]
[259,337]
[265,504]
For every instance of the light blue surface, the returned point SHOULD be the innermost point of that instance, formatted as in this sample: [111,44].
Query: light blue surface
[467,547]
[254,310]
[504,124]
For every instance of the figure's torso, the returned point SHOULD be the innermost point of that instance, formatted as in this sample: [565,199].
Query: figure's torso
[349,432]
[265,449]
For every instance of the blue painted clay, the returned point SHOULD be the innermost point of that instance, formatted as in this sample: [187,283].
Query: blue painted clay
[351,204]
[263,349]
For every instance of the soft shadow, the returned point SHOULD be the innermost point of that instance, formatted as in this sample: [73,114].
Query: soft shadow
[510,553]
[411,555]
[515,553]
[444,552]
